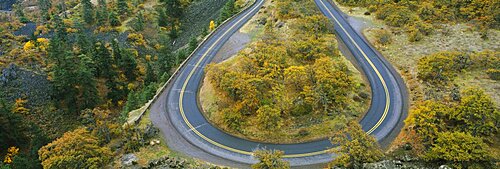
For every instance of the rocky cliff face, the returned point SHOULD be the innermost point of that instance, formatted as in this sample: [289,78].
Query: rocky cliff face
[6,4]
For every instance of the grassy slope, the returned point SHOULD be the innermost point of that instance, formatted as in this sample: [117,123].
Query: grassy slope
[404,55]
[318,129]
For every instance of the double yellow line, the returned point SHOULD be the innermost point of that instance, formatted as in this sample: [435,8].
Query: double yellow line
[386,90]
[192,128]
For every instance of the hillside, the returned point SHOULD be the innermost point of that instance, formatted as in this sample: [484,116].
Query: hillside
[75,69]
[447,62]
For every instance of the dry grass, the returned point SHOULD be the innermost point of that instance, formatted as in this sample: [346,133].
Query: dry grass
[404,55]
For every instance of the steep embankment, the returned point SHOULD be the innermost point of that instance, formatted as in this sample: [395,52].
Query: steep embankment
[6,4]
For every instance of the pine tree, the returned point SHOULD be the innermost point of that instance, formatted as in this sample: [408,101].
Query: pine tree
[44,5]
[113,19]
[193,43]
[122,7]
[228,10]
[74,82]
[173,8]
[102,13]
[103,61]
[162,18]
[150,74]
[165,58]
[139,24]
[87,11]
[128,64]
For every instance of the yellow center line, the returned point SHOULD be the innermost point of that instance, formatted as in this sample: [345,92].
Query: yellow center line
[387,97]
[251,153]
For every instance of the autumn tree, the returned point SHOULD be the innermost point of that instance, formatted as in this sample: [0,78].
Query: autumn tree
[269,117]
[428,119]
[440,68]
[355,147]
[462,149]
[75,149]
[332,85]
[270,159]
[476,114]
[99,123]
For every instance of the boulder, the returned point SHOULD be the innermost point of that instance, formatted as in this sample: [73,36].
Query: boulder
[129,160]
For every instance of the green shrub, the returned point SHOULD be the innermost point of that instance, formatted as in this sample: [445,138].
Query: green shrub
[383,37]
[493,74]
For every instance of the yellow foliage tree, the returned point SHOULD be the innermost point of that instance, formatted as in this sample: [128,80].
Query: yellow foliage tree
[28,46]
[42,43]
[19,106]
[75,149]
[212,25]
[11,152]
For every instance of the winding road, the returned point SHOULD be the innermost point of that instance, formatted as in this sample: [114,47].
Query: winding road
[180,106]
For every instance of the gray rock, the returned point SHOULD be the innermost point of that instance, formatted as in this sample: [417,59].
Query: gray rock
[129,160]
[150,131]
[279,24]
[384,164]
[444,167]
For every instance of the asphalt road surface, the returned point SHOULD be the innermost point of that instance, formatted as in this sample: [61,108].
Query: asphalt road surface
[180,103]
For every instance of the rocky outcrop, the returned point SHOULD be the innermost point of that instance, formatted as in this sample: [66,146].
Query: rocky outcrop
[6,4]
[129,160]
[16,83]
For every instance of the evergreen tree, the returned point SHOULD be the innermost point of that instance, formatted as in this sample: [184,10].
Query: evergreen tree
[162,18]
[193,43]
[103,61]
[228,10]
[128,64]
[122,7]
[150,75]
[173,8]
[102,13]
[19,11]
[44,5]
[113,19]
[165,58]
[87,11]
[139,24]
[59,28]
[173,33]
[74,82]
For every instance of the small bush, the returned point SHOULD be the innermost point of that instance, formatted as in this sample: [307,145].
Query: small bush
[493,74]
[383,37]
